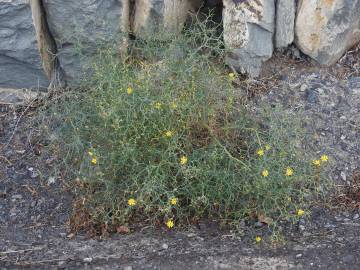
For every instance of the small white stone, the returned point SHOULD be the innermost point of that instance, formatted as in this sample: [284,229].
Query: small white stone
[164,246]
[298,256]
[51,180]
[87,260]
[303,88]
[343,176]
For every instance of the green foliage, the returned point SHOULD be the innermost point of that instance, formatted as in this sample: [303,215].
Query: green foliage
[165,123]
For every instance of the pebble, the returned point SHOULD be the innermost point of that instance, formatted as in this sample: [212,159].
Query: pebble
[343,176]
[302,228]
[164,246]
[298,256]
[16,197]
[303,87]
[33,172]
[258,224]
[51,180]
[348,258]
[87,260]
[356,216]
[223,266]
[311,96]
[128,268]
[330,226]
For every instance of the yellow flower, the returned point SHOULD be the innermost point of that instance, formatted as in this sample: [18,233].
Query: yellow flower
[289,171]
[231,75]
[300,212]
[265,173]
[90,153]
[267,147]
[173,105]
[316,162]
[94,160]
[169,133]
[183,160]
[170,223]
[260,152]
[129,90]
[324,158]
[173,201]
[158,105]
[258,239]
[131,202]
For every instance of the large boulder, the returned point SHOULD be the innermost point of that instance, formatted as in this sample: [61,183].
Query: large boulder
[162,18]
[20,62]
[326,29]
[248,33]
[82,27]
[285,23]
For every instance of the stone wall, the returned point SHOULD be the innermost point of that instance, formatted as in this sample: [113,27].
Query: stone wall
[51,42]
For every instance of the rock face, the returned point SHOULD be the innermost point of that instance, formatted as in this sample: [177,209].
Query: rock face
[326,29]
[285,23]
[166,16]
[248,33]
[81,27]
[20,63]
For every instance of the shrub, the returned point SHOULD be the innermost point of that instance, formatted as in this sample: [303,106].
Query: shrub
[160,138]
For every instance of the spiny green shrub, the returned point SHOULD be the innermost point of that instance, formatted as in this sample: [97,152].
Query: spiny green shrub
[160,138]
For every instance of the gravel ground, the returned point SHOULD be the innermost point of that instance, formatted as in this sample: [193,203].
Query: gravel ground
[35,208]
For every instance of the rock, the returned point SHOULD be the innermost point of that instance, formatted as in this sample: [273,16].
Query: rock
[164,246]
[20,60]
[285,23]
[81,27]
[17,96]
[326,29]
[259,224]
[161,16]
[248,34]
[88,260]
[51,180]
[33,173]
[298,256]
[348,258]
[312,96]
[343,175]
[354,82]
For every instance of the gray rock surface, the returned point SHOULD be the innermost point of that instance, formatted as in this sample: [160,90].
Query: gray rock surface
[20,63]
[161,17]
[285,23]
[325,30]
[248,34]
[81,27]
